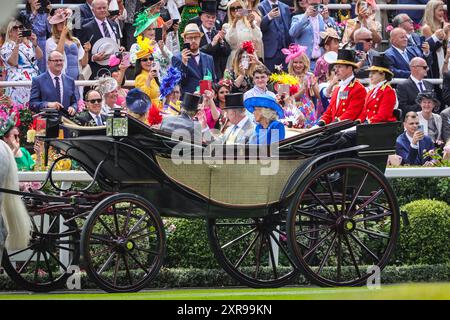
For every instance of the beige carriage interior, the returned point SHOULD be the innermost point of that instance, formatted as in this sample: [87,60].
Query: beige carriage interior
[233,184]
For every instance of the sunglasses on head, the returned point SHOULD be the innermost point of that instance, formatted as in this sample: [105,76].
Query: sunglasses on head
[95,101]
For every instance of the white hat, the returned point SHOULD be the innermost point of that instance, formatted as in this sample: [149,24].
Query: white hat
[106,45]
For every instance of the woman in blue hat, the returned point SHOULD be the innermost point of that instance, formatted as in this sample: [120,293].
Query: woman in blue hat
[267,112]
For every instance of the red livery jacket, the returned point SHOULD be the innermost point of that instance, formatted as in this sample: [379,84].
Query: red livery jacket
[379,107]
[351,103]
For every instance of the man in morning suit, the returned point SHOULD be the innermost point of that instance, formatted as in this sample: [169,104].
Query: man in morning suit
[92,116]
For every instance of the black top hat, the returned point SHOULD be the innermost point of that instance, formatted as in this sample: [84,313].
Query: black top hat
[382,64]
[149,3]
[234,101]
[428,95]
[346,57]
[190,102]
[209,6]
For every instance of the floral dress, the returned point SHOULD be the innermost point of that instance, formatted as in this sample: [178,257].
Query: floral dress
[305,104]
[25,70]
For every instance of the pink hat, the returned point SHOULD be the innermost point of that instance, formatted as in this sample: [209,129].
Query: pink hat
[60,15]
[293,51]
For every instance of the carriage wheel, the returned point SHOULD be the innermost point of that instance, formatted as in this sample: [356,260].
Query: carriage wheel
[123,243]
[42,266]
[253,251]
[344,219]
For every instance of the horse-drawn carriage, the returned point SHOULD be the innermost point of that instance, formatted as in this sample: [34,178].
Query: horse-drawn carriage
[317,203]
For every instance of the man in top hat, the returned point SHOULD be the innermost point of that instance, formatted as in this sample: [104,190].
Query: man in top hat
[381,99]
[241,128]
[213,42]
[98,28]
[193,63]
[347,99]
[185,123]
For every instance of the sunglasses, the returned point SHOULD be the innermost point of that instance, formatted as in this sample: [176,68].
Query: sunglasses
[147,59]
[95,101]
[235,8]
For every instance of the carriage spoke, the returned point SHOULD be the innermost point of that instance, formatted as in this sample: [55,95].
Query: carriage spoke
[26,262]
[116,221]
[352,255]
[51,224]
[107,263]
[365,248]
[344,191]
[127,269]
[272,257]
[116,269]
[327,254]
[238,238]
[106,227]
[313,230]
[234,224]
[330,190]
[50,273]
[36,269]
[100,252]
[127,219]
[137,262]
[20,251]
[139,237]
[246,252]
[136,225]
[307,254]
[339,258]
[65,248]
[258,256]
[322,204]
[282,248]
[358,191]
[312,215]
[374,217]
[369,201]
[373,233]
[155,253]
[101,238]
[57,260]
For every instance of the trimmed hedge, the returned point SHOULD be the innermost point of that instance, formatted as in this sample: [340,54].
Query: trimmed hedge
[182,278]
[426,239]
[408,189]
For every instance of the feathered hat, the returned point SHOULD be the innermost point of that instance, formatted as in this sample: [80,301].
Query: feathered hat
[106,85]
[293,51]
[145,47]
[143,20]
[169,81]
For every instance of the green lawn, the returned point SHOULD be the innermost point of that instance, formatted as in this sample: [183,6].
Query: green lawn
[420,291]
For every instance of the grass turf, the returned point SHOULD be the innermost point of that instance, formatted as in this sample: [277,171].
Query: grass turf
[414,291]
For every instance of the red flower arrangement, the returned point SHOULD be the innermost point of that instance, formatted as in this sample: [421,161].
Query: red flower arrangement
[248,46]
[154,116]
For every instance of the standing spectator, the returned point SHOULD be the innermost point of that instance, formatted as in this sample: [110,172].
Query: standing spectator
[298,66]
[275,29]
[300,6]
[213,42]
[408,90]
[445,116]
[96,29]
[400,54]
[431,122]
[37,18]
[92,116]
[347,100]
[412,143]
[381,98]
[436,31]
[260,77]
[19,55]
[69,46]
[240,28]
[365,11]
[329,20]
[416,15]
[366,55]
[305,30]
[132,7]
[191,9]
[330,43]
[193,64]
[53,89]
[252,6]
[86,12]
[405,22]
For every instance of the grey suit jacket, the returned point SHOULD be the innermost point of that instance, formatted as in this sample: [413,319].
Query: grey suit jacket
[445,116]
[181,125]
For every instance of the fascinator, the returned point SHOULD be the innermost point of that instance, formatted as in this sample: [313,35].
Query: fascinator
[293,51]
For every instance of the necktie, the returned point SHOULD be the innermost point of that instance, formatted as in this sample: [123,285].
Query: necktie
[405,56]
[422,89]
[99,120]
[58,89]
[196,58]
[105,30]
[209,34]
[232,137]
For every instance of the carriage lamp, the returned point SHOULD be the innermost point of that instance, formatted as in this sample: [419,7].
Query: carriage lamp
[47,124]
[117,123]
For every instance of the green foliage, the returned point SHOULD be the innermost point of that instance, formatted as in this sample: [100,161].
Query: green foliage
[426,239]
[408,189]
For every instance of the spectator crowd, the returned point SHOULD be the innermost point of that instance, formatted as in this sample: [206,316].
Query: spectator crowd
[241,71]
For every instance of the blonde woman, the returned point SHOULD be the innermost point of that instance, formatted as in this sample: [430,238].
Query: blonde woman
[365,10]
[241,28]
[241,74]
[252,6]
[436,31]
[19,55]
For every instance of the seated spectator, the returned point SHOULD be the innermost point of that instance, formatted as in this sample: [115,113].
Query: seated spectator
[403,21]
[208,112]
[19,55]
[408,90]
[275,31]
[266,112]
[400,54]
[347,100]
[445,116]
[305,31]
[145,72]
[412,143]
[53,89]
[92,116]
[138,105]
[381,99]
[431,122]
[241,28]
[193,64]
[221,90]
[298,66]
[436,31]
[243,66]
[365,11]
[416,15]
[108,89]
[363,36]
[260,77]
[10,134]
[330,43]
[446,155]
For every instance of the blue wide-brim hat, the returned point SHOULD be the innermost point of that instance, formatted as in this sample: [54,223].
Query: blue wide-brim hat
[264,101]
[137,101]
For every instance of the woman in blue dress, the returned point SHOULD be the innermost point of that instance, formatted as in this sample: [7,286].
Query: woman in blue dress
[267,112]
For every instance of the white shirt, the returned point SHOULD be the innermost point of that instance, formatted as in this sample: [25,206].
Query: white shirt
[205,32]
[342,85]
[403,53]
[239,125]
[60,83]
[94,116]
[414,146]
[416,81]
[108,26]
